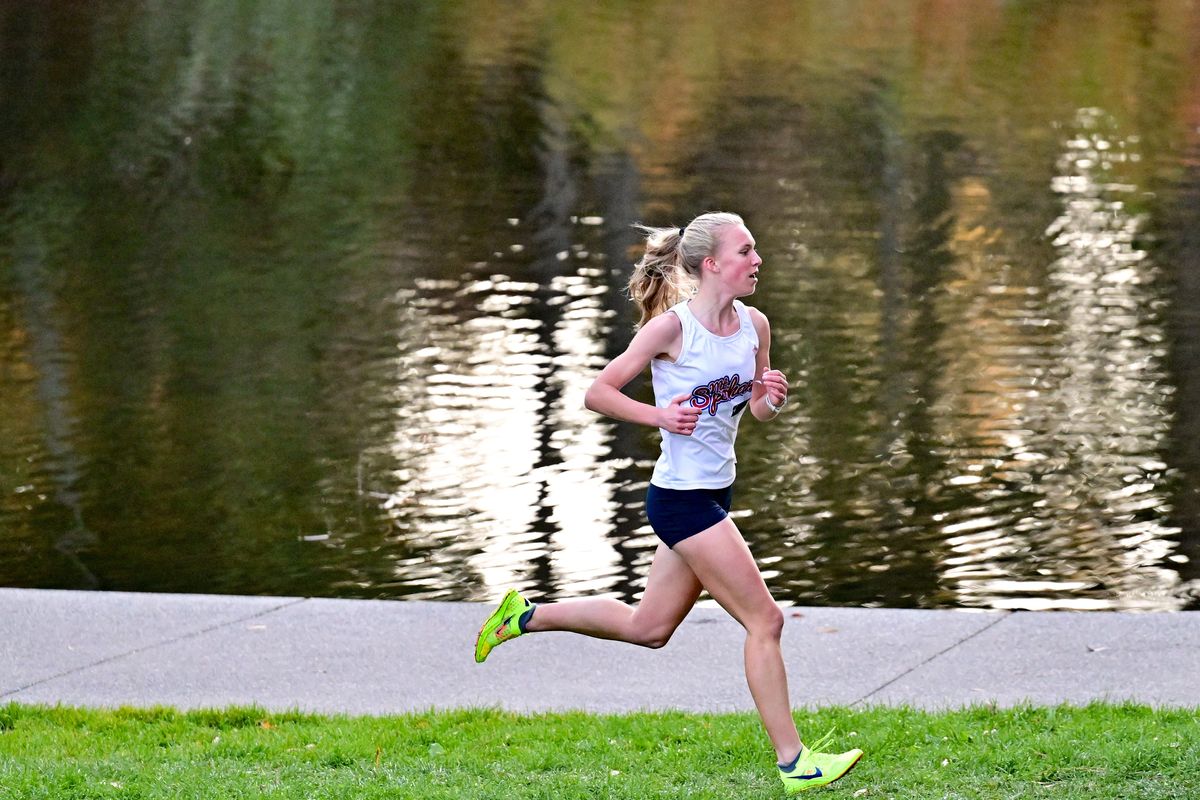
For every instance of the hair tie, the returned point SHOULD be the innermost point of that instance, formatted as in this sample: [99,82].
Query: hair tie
[681,230]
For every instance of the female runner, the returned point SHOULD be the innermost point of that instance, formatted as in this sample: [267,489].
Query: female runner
[709,357]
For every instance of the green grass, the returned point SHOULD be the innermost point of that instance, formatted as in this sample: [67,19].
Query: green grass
[1101,751]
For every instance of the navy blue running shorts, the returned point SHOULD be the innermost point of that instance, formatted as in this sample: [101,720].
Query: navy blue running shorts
[676,514]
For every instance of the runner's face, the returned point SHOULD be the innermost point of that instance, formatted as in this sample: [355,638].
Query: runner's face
[737,260]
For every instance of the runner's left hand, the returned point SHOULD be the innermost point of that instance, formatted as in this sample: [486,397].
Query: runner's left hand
[776,385]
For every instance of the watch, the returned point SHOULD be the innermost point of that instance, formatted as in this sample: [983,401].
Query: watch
[775,409]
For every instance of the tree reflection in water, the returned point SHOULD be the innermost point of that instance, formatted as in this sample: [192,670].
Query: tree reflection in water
[318,292]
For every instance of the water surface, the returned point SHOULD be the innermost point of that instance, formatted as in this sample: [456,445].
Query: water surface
[305,302]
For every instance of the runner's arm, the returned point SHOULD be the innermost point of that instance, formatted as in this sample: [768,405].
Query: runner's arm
[768,382]
[659,336]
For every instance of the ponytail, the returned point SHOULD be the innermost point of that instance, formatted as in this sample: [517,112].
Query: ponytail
[670,268]
[659,281]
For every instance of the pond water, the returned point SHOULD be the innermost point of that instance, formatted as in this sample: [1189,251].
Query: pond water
[304,301]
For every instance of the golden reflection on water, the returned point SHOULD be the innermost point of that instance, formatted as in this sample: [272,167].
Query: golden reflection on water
[1050,407]
[1076,401]
[331,327]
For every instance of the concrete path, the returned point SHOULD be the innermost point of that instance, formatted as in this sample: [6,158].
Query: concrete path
[379,657]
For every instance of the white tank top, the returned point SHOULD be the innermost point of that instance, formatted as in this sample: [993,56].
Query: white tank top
[718,373]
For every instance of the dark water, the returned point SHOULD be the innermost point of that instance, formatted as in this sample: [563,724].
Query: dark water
[305,300]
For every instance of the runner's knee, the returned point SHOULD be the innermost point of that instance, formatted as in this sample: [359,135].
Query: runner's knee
[654,636]
[767,621]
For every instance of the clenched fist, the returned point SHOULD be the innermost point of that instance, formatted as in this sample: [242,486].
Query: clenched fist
[776,386]
[680,416]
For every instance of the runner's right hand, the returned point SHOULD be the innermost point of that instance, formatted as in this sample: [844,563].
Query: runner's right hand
[680,416]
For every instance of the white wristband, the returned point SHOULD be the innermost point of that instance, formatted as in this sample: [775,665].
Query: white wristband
[775,409]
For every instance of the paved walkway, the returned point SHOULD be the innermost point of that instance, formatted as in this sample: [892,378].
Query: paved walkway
[197,651]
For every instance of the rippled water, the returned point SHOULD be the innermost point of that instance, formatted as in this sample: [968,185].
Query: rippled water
[307,303]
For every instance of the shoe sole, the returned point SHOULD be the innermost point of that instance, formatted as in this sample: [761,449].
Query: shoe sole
[853,764]
[491,621]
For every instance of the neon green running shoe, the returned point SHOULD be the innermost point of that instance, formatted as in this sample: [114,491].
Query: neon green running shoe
[813,769]
[502,625]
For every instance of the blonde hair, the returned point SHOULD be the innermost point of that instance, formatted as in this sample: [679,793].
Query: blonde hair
[670,268]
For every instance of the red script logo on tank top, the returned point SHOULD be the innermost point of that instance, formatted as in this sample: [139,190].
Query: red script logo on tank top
[714,393]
